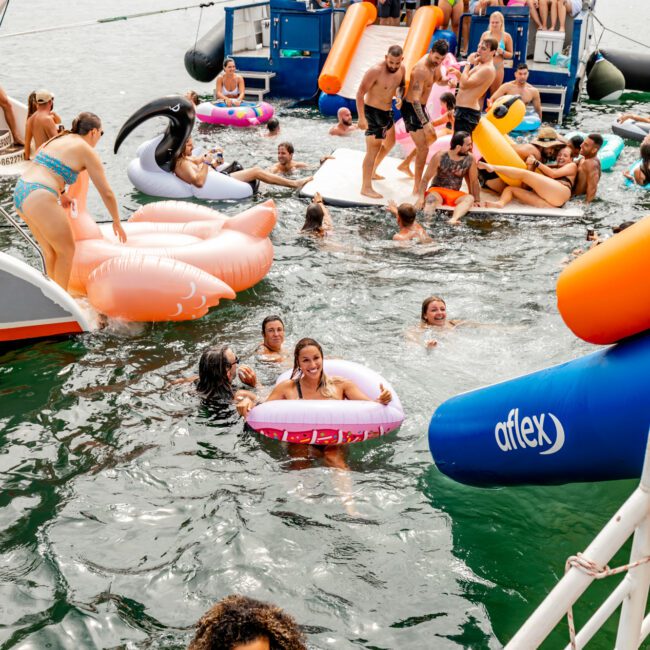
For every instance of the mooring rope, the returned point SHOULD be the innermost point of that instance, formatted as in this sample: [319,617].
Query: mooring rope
[589,567]
[609,29]
[112,19]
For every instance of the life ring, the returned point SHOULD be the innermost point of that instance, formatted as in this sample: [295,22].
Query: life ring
[610,151]
[151,171]
[634,184]
[330,422]
[179,259]
[246,114]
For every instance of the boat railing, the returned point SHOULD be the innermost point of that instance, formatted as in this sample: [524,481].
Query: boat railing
[25,236]
[633,518]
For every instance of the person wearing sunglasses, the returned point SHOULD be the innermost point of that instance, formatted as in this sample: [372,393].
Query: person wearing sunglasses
[40,198]
[219,367]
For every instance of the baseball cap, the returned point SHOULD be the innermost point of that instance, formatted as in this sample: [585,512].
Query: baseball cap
[43,96]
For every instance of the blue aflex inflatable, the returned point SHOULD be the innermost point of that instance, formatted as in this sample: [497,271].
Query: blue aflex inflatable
[585,420]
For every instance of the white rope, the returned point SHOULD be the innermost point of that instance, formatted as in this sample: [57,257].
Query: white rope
[589,567]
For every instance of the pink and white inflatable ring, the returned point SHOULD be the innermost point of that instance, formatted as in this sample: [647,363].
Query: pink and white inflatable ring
[246,114]
[331,422]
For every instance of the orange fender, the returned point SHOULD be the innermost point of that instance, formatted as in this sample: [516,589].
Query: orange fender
[604,295]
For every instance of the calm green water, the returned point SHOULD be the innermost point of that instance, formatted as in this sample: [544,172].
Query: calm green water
[126,509]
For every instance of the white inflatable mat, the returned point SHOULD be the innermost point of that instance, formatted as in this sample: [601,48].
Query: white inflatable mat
[339,180]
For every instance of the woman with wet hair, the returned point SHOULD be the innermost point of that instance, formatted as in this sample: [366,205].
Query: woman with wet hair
[218,368]
[40,198]
[241,623]
[318,221]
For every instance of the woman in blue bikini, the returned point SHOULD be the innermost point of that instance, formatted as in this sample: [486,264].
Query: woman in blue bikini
[40,197]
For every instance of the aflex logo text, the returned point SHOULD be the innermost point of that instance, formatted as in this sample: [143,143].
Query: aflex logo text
[528,432]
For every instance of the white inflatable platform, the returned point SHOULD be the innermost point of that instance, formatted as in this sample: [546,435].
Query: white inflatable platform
[339,180]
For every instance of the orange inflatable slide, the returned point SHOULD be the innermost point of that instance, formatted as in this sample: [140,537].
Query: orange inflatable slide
[604,295]
[358,17]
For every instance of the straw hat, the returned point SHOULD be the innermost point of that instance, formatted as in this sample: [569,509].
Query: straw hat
[548,137]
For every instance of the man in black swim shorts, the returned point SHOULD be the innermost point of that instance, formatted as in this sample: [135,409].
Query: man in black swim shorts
[374,107]
[473,83]
[389,12]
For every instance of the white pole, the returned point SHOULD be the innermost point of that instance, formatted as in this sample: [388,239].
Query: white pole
[575,581]
[602,613]
[633,611]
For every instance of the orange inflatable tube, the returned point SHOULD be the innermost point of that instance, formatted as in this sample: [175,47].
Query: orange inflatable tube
[179,260]
[604,295]
[357,17]
[425,21]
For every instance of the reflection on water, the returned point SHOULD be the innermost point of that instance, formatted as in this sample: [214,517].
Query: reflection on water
[127,508]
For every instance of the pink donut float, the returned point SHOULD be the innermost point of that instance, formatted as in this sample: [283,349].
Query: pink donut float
[246,114]
[330,422]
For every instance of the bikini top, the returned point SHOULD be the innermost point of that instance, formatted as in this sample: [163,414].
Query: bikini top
[68,175]
[229,93]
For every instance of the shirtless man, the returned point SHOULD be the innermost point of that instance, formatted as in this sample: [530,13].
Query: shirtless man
[409,228]
[41,125]
[589,170]
[374,107]
[272,346]
[425,73]
[448,169]
[194,170]
[520,86]
[477,76]
[286,164]
[10,118]
[344,126]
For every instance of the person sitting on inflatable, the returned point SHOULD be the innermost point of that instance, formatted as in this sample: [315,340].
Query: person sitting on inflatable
[272,346]
[641,173]
[544,147]
[318,221]
[194,170]
[448,169]
[309,381]
[218,368]
[230,87]
[552,187]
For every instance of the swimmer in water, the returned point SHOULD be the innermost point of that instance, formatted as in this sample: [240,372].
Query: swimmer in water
[272,346]
[433,315]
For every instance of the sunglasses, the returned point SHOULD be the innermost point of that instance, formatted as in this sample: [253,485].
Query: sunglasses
[233,363]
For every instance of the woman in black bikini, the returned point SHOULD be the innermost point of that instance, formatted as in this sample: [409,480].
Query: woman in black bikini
[309,381]
[552,187]
[641,174]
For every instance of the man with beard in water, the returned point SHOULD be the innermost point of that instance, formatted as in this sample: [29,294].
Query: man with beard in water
[448,169]
[344,126]
[425,73]
[473,83]
[374,107]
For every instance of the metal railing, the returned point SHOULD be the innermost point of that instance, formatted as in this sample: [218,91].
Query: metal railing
[632,592]
[25,236]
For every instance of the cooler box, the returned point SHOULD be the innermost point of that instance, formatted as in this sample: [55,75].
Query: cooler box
[547,44]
